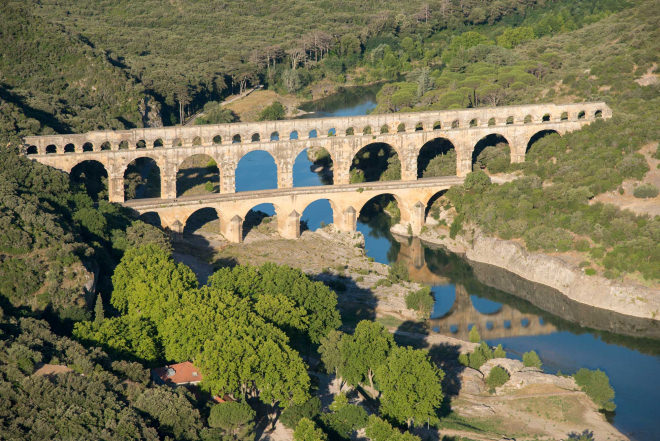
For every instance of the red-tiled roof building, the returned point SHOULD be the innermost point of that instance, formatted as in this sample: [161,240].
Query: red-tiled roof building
[177,374]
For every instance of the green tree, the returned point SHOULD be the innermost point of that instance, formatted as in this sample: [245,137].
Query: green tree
[99,314]
[293,414]
[306,430]
[512,37]
[234,418]
[364,351]
[273,112]
[411,387]
[474,335]
[330,350]
[496,377]
[596,384]
[531,359]
[476,181]
[380,430]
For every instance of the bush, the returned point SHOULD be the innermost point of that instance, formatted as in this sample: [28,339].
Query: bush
[273,112]
[347,419]
[292,415]
[476,181]
[474,335]
[596,384]
[645,191]
[497,377]
[397,271]
[421,301]
[306,430]
[235,419]
[456,226]
[531,359]
[499,352]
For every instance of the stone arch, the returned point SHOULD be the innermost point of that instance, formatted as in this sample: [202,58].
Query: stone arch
[93,176]
[455,124]
[158,143]
[142,178]
[217,139]
[293,134]
[429,210]
[509,120]
[256,170]
[400,128]
[598,114]
[69,148]
[31,150]
[316,214]
[485,306]
[236,139]
[419,127]
[262,213]
[581,114]
[376,161]
[496,158]
[545,117]
[275,136]
[384,129]
[538,135]
[313,166]
[197,140]
[196,220]
[88,147]
[491,122]
[197,174]
[528,119]
[437,157]
[366,130]
[332,131]
[51,148]
[141,144]
[256,137]
[474,122]
[437,125]
[350,131]
[564,116]
[313,134]
[176,142]
[151,218]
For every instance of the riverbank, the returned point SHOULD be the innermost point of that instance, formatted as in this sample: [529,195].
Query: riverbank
[552,271]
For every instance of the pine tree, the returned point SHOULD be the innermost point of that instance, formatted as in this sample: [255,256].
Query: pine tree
[99,313]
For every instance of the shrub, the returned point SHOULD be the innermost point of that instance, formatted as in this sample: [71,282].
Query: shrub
[292,415]
[209,187]
[474,335]
[531,359]
[235,419]
[306,430]
[499,352]
[645,191]
[476,181]
[421,301]
[596,384]
[397,271]
[273,112]
[456,226]
[345,420]
[497,377]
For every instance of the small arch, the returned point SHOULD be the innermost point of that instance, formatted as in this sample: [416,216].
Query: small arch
[366,130]
[275,136]
[256,170]
[419,127]
[158,143]
[350,131]
[564,116]
[69,148]
[141,144]
[545,118]
[123,145]
[51,148]
[507,324]
[455,124]
[197,140]
[524,322]
[436,158]
[509,120]
[313,166]
[492,152]
[538,135]
[437,125]
[261,217]
[474,122]
[236,139]
[598,114]
[316,215]
[401,128]
[255,137]
[581,114]
[293,135]
[203,220]
[528,119]
[377,161]
[197,175]
[491,122]
[93,177]
[313,134]
[177,142]
[31,150]
[332,132]
[217,139]
[88,147]
[384,129]
[151,218]
[142,179]
[485,306]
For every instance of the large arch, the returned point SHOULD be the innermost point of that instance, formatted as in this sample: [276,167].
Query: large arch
[375,218]
[261,215]
[204,219]
[151,218]
[256,170]
[313,166]
[142,179]
[492,152]
[197,174]
[93,176]
[485,306]
[539,135]
[437,157]
[317,214]
[377,161]
[434,205]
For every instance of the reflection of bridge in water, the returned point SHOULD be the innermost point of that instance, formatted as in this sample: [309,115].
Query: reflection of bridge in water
[505,322]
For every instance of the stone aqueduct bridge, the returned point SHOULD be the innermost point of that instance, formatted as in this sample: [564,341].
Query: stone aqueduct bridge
[342,137]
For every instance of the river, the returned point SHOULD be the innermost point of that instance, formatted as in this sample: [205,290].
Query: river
[462,299]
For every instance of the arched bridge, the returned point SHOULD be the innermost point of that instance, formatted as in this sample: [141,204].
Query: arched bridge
[342,137]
